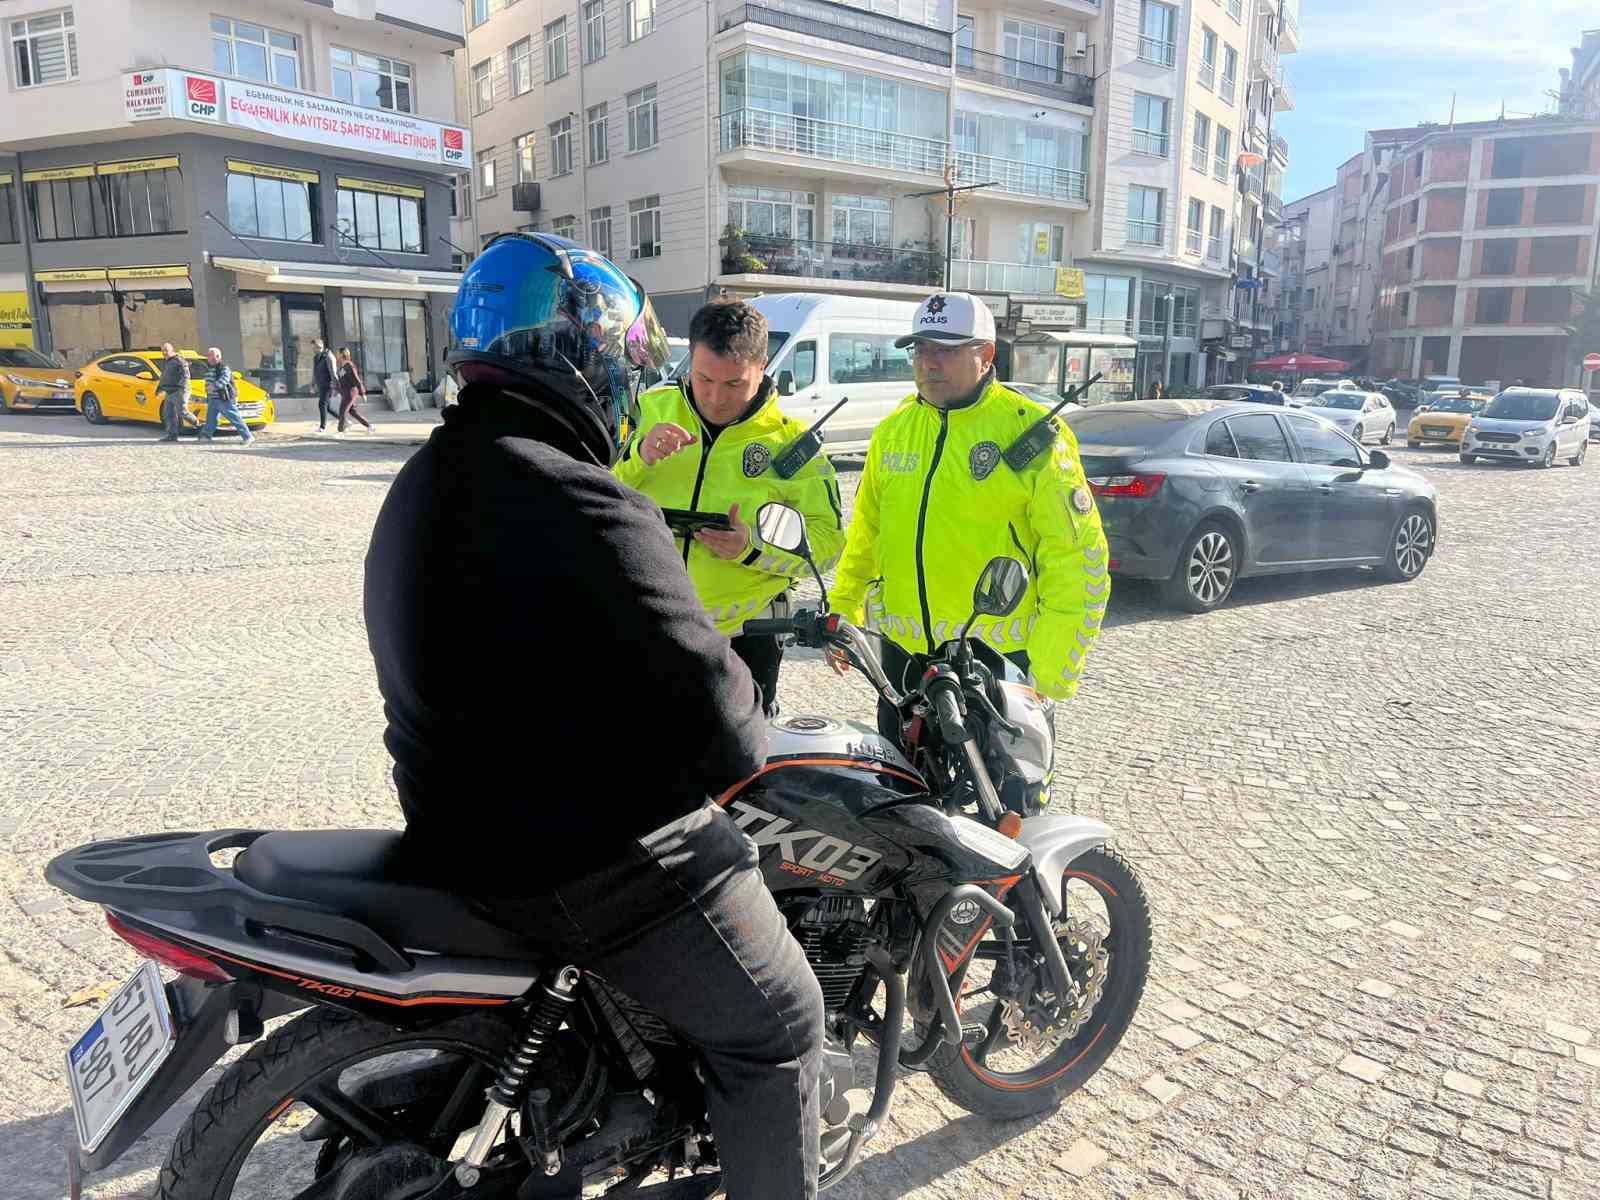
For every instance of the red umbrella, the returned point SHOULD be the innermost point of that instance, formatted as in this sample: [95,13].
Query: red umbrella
[1302,363]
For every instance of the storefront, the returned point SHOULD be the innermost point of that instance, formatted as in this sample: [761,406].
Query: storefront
[1061,359]
[92,310]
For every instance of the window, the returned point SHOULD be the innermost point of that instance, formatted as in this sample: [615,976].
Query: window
[1230,73]
[965,41]
[561,147]
[644,227]
[1109,303]
[1505,207]
[599,134]
[1200,152]
[108,203]
[1039,244]
[555,49]
[519,64]
[861,220]
[1321,446]
[372,80]
[773,212]
[1414,211]
[1554,256]
[594,30]
[1494,306]
[1558,205]
[1508,154]
[1499,257]
[255,52]
[386,336]
[263,202]
[1144,215]
[642,118]
[638,18]
[9,222]
[1236,9]
[381,220]
[600,230]
[522,157]
[1259,438]
[486,181]
[1034,52]
[867,358]
[1219,442]
[1215,240]
[1223,159]
[460,196]
[1208,60]
[1197,227]
[1405,304]
[1150,125]
[44,49]
[566,227]
[480,12]
[1156,34]
[482,88]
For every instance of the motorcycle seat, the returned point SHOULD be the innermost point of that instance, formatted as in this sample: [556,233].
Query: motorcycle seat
[366,876]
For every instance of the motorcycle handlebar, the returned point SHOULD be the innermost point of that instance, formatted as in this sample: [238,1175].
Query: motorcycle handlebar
[778,626]
[949,710]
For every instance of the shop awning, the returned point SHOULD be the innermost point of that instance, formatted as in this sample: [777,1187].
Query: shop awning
[338,275]
[1072,337]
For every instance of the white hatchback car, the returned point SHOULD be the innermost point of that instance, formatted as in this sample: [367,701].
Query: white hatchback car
[1362,415]
[1531,425]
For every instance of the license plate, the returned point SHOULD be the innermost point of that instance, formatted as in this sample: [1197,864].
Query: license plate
[118,1056]
[1439,433]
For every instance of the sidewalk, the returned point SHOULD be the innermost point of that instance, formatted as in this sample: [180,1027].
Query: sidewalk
[388,428]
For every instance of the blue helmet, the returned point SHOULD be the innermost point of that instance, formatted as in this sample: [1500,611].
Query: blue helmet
[547,318]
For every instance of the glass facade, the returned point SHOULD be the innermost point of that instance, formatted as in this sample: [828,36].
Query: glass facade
[774,84]
[386,336]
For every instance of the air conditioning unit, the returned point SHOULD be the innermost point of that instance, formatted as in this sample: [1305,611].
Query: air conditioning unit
[1080,45]
[525,197]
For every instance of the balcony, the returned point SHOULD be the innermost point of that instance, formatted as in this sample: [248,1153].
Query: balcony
[975,275]
[843,23]
[1194,242]
[1264,60]
[1283,94]
[828,141]
[1280,148]
[1023,178]
[1154,50]
[756,254]
[1216,248]
[1050,83]
[1274,206]
[1289,37]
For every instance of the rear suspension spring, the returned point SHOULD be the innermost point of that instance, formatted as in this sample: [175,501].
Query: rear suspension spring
[544,1019]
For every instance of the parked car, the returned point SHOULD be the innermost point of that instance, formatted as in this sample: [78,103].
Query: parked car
[1401,393]
[1309,389]
[121,385]
[1443,421]
[676,364]
[1362,415]
[1040,394]
[1531,425]
[30,380]
[1199,493]
[823,349]
[1254,392]
[1436,387]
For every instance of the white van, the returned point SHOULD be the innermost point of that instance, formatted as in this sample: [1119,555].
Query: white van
[823,349]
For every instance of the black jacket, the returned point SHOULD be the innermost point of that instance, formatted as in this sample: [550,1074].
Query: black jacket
[553,687]
[323,371]
[174,376]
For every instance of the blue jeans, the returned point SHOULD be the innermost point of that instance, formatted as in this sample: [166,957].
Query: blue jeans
[224,407]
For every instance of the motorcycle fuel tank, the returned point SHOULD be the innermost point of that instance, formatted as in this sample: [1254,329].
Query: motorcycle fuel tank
[803,808]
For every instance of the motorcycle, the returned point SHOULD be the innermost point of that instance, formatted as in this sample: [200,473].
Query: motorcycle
[430,1058]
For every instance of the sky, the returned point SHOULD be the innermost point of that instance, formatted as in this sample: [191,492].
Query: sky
[1379,64]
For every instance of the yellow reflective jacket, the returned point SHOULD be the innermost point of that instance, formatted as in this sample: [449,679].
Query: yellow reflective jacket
[736,468]
[937,502]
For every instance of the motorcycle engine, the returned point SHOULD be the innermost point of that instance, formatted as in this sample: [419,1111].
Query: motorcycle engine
[833,932]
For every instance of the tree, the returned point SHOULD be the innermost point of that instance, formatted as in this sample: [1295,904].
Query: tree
[1583,331]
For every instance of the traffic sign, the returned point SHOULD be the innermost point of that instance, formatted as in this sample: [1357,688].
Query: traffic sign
[1591,362]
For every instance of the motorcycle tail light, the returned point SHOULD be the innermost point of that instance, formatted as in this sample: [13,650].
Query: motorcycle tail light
[1135,486]
[184,962]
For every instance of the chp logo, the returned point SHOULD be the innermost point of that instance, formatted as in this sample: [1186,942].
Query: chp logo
[455,146]
[143,79]
[200,98]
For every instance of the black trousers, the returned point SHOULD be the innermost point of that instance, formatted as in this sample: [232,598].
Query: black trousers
[326,407]
[763,654]
[683,923]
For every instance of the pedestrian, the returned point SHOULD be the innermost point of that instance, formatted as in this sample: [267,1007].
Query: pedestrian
[940,496]
[173,392]
[1155,392]
[351,386]
[324,376]
[727,406]
[1277,386]
[516,589]
[222,399]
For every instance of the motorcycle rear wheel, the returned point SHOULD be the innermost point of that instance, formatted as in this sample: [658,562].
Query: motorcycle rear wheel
[963,1073]
[266,1095]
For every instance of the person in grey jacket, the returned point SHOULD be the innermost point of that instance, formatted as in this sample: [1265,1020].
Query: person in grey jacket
[324,377]
[221,399]
[173,391]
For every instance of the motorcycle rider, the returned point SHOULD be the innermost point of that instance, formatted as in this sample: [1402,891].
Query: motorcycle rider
[709,442]
[512,584]
[937,500]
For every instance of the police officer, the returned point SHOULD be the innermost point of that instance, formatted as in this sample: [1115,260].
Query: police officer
[710,442]
[938,500]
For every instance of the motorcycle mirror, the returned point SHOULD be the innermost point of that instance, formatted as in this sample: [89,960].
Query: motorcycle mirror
[782,526]
[785,383]
[1000,588]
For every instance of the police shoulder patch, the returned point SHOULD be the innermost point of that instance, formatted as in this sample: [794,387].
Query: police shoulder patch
[756,459]
[1082,502]
[984,458]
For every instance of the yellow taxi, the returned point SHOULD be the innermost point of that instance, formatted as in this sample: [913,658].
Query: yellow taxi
[120,385]
[29,380]
[1444,419]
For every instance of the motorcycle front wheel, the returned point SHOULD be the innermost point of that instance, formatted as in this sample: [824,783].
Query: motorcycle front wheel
[1022,1053]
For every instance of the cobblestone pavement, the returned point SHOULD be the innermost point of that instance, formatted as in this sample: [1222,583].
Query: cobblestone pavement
[1365,815]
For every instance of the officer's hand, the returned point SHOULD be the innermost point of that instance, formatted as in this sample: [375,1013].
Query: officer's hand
[725,543]
[663,441]
[837,659]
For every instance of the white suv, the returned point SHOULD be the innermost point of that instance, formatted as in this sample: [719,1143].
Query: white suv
[1531,425]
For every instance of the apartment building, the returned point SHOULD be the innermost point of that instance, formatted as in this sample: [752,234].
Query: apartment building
[1309,225]
[1579,94]
[1490,232]
[251,180]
